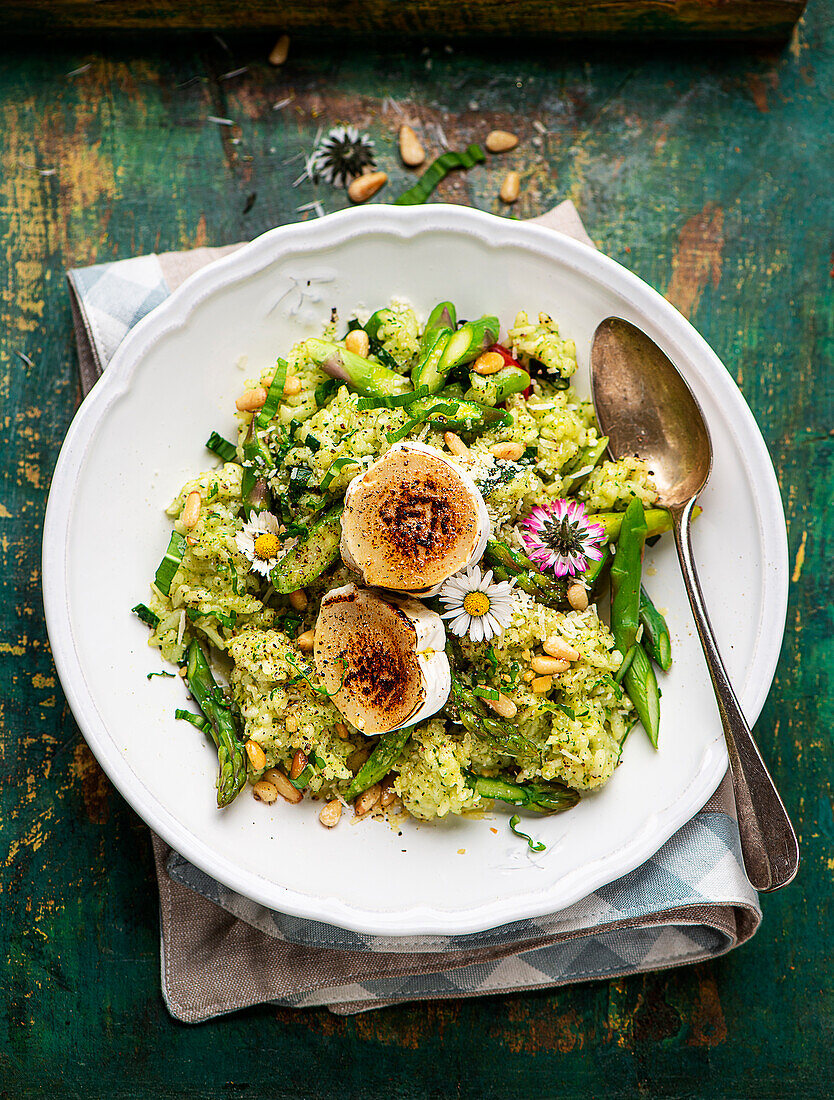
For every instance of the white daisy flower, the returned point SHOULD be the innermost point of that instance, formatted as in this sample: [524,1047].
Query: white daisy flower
[475,605]
[260,542]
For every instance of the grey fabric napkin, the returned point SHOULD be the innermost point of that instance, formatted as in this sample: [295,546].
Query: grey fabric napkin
[221,952]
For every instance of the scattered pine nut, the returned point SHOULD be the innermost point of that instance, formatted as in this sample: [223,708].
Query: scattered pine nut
[358,342]
[510,187]
[503,705]
[367,800]
[389,795]
[191,512]
[490,362]
[456,444]
[293,385]
[557,647]
[541,684]
[251,400]
[549,666]
[290,724]
[501,141]
[511,452]
[528,676]
[298,600]
[279,780]
[364,187]
[305,641]
[411,151]
[578,597]
[342,730]
[331,813]
[280,51]
[265,791]
[299,763]
[257,756]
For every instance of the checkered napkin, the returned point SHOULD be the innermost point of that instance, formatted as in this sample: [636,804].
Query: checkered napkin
[220,952]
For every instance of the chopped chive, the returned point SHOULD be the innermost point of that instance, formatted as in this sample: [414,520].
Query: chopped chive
[148,617]
[325,391]
[310,441]
[274,394]
[195,719]
[170,563]
[437,171]
[335,466]
[222,447]
[151,675]
[300,478]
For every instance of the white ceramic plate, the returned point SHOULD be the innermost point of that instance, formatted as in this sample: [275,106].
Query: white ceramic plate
[140,435]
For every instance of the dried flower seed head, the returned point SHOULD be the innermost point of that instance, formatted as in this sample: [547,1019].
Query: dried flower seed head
[342,155]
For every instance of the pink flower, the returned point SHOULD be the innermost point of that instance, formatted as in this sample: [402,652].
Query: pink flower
[559,537]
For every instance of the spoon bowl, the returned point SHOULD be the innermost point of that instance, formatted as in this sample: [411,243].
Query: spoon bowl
[647,411]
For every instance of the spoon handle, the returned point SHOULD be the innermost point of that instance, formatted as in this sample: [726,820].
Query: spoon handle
[768,840]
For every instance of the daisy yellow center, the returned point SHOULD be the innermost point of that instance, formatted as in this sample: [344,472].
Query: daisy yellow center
[266,546]
[476,603]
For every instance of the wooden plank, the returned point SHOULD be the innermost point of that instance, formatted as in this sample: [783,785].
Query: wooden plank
[449,19]
[710,178]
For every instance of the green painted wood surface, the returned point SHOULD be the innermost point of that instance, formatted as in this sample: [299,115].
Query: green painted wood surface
[708,174]
[761,19]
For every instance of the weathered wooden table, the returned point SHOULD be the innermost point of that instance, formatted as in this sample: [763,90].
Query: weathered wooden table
[707,172]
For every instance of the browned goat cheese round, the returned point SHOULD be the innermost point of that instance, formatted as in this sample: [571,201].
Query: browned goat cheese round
[412,520]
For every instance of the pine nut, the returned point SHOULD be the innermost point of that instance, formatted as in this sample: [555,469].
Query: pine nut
[290,724]
[557,647]
[358,342]
[298,600]
[501,141]
[456,444]
[265,791]
[411,151]
[279,780]
[510,187]
[293,385]
[578,597]
[305,641]
[251,400]
[503,705]
[330,814]
[490,362]
[299,763]
[548,666]
[280,51]
[511,452]
[257,756]
[389,795]
[541,685]
[528,676]
[367,800]
[191,512]
[342,730]
[364,187]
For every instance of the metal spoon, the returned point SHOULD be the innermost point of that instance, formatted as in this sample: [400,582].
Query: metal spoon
[646,409]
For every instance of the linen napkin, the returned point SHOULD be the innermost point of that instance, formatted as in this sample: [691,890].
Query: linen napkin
[221,952]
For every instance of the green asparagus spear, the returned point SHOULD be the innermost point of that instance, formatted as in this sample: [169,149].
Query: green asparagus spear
[388,751]
[658,520]
[469,709]
[625,577]
[641,684]
[492,389]
[655,640]
[311,555]
[546,589]
[542,796]
[593,574]
[362,375]
[257,461]
[427,372]
[231,755]
[454,349]
[639,678]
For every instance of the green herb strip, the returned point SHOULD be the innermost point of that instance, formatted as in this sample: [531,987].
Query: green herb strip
[437,171]
[195,719]
[535,846]
[399,402]
[222,447]
[170,563]
[274,394]
[148,617]
[335,466]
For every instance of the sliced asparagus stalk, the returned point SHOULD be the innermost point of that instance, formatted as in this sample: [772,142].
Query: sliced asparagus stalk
[388,751]
[655,640]
[542,797]
[362,375]
[311,555]
[442,317]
